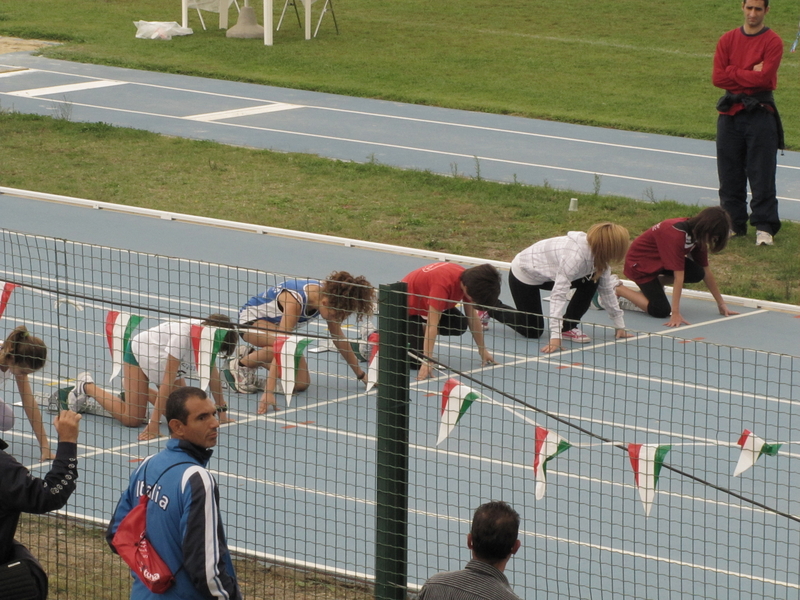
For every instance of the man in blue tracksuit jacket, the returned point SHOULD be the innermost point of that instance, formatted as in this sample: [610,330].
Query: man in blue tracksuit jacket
[183,521]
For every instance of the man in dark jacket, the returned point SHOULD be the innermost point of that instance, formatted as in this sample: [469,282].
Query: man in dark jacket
[183,521]
[20,492]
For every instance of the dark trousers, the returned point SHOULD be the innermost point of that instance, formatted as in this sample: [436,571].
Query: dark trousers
[528,318]
[747,148]
[654,290]
[452,322]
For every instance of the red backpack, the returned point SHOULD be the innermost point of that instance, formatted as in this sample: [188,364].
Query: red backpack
[131,543]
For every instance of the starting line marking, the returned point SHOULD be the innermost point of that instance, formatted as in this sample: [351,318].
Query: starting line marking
[63,89]
[242,112]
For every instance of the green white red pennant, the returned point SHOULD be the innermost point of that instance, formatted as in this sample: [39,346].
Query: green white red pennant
[6,295]
[752,449]
[206,342]
[119,330]
[456,399]
[372,369]
[646,460]
[548,445]
[288,350]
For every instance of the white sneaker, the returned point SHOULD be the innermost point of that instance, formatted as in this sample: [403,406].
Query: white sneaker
[576,335]
[483,315]
[242,379]
[764,239]
[596,301]
[77,399]
[626,304]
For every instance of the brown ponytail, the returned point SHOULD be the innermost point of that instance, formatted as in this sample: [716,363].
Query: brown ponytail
[21,349]
[228,346]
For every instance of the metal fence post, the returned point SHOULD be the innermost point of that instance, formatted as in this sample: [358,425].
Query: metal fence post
[391,531]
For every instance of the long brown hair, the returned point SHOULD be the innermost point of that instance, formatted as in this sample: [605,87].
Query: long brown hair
[711,228]
[21,349]
[608,242]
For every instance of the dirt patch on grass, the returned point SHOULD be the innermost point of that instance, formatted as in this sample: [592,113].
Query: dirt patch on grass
[80,566]
[10,44]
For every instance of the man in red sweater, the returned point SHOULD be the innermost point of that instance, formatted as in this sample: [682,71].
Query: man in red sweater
[749,130]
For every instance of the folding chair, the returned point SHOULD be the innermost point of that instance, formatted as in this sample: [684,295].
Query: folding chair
[328,3]
[217,6]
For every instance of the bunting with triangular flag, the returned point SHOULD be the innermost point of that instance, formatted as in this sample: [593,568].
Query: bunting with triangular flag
[119,330]
[6,295]
[456,399]
[288,350]
[646,460]
[752,449]
[372,369]
[548,445]
[206,342]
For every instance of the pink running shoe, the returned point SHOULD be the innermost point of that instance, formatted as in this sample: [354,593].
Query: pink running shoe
[576,335]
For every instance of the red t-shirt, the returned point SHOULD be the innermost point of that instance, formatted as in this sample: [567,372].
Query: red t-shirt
[437,285]
[662,248]
[736,55]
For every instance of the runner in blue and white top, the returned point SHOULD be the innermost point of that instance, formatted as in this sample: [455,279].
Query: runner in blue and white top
[280,309]
[266,306]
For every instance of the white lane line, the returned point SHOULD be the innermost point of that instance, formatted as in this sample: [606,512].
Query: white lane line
[473,157]
[470,157]
[65,89]
[429,121]
[242,112]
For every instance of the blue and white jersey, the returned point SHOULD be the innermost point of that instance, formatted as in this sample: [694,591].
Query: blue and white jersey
[265,306]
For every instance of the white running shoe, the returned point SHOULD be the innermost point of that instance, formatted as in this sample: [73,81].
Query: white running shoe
[483,315]
[77,399]
[626,304]
[576,335]
[596,301]
[764,239]
[242,379]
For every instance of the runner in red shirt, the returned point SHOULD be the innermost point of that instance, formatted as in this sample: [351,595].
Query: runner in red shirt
[433,292]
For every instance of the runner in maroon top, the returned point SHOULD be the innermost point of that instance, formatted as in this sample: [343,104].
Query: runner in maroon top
[675,252]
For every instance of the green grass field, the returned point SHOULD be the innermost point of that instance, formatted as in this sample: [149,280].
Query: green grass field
[629,64]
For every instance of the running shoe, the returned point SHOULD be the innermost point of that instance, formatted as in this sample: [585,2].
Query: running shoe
[764,239]
[483,315]
[242,379]
[77,399]
[626,304]
[58,400]
[596,301]
[576,335]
